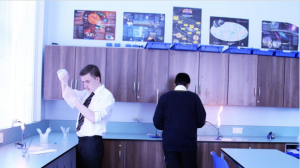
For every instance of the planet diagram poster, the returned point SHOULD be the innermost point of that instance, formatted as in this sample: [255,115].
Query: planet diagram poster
[229,31]
[143,27]
[94,25]
[279,35]
[186,25]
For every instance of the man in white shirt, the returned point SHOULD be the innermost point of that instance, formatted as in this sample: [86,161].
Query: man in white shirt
[95,105]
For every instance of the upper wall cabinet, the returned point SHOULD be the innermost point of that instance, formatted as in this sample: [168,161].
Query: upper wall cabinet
[291,87]
[56,58]
[187,62]
[270,81]
[152,75]
[89,55]
[121,73]
[213,78]
[242,81]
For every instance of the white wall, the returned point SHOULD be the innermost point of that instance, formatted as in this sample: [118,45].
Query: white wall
[59,17]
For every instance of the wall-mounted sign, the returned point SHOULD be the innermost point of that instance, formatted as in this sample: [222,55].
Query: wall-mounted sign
[229,31]
[143,27]
[94,25]
[279,35]
[186,25]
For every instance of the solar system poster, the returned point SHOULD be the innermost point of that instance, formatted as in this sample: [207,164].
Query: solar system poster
[229,31]
[186,25]
[279,35]
[94,25]
[143,27]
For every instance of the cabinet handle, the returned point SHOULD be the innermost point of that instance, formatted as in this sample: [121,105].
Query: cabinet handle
[259,91]
[72,84]
[199,89]
[134,86]
[138,87]
[255,91]
[75,84]
[157,96]
[119,155]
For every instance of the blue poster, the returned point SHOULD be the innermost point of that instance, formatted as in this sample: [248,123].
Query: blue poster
[143,27]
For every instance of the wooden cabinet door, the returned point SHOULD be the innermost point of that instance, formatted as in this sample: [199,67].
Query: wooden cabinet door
[213,78]
[121,72]
[187,62]
[291,86]
[202,155]
[56,58]
[216,147]
[113,154]
[152,74]
[270,81]
[144,154]
[89,55]
[242,84]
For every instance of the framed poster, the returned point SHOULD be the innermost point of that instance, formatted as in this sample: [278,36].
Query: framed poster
[229,31]
[279,35]
[94,25]
[143,27]
[186,25]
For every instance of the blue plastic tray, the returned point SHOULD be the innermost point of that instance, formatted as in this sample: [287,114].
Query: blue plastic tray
[237,50]
[157,45]
[281,53]
[297,55]
[117,45]
[210,48]
[128,45]
[109,45]
[262,52]
[293,154]
[185,47]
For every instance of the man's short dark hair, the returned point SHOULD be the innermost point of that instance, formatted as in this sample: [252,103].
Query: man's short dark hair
[92,69]
[182,79]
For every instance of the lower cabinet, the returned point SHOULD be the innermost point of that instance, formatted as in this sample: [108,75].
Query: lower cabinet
[67,160]
[150,154]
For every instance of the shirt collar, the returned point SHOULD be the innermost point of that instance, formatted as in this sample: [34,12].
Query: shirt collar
[99,89]
[180,87]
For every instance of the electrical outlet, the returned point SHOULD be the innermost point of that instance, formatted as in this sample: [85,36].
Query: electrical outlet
[1,137]
[237,130]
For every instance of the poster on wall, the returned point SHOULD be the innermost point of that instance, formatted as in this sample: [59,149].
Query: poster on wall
[94,25]
[186,25]
[279,35]
[143,27]
[229,31]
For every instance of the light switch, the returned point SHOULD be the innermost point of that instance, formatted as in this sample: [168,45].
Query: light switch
[1,137]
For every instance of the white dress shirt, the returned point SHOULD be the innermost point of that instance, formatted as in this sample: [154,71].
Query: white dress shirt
[102,104]
[180,87]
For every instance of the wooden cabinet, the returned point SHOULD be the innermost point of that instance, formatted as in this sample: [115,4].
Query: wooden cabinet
[145,154]
[56,58]
[113,154]
[89,55]
[187,62]
[121,73]
[242,80]
[67,160]
[73,60]
[213,78]
[270,81]
[291,87]
[202,154]
[152,74]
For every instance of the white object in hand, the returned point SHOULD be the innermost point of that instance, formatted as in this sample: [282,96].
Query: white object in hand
[70,97]
[44,137]
[63,76]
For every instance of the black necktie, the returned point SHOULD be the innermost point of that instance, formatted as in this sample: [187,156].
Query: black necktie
[81,117]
